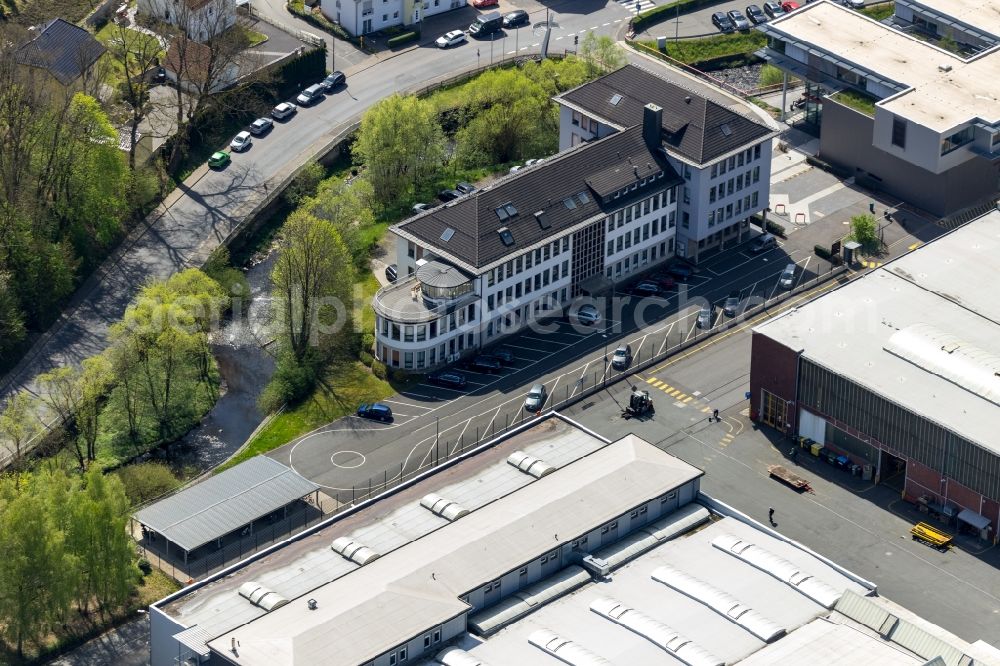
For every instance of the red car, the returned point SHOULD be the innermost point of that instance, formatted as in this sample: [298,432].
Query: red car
[789,6]
[483,4]
[664,280]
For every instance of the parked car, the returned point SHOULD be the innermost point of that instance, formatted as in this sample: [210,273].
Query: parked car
[376,411]
[533,161]
[465,188]
[680,272]
[588,315]
[705,317]
[421,207]
[516,18]
[448,379]
[646,288]
[787,278]
[261,126]
[241,142]
[756,14]
[391,272]
[665,281]
[219,159]
[622,357]
[853,4]
[159,75]
[732,305]
[535,398]
[485,363]
[310,95]
[503,354]
[284,110]
[773,9]
[789,6]
[515,168]
[722,22]
[763,243]
[740,21]
[483,4]
[451,38]
[333,81]
[449,195]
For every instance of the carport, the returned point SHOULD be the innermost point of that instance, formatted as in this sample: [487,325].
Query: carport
[223,504]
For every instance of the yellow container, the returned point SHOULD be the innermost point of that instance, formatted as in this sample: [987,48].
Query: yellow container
[815,448]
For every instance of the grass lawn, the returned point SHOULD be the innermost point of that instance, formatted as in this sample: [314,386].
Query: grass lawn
[154,587]
[880,12]
[348,384]
[857,101]
[256,38]
[706,48]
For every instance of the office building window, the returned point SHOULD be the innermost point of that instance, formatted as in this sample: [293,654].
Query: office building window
[711,195]
[756,152]
[756,174]
[753,199]
[729,186]
[715,170]
[687,194]
[686,220]
[899,132]
[711,218]
[673,219]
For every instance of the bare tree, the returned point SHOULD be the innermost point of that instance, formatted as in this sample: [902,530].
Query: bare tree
[137,53]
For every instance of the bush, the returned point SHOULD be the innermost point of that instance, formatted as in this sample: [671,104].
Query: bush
[775,228]
[367,342]
[400,376]
[144,566]
[379,369]
[822,252]
[404,38]
[366,358]
[146,481]
[292,381]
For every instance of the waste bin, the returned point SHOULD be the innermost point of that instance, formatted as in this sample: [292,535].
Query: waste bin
[815,448]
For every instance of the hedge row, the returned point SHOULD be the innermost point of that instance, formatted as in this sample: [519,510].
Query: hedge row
[320,21]
[652,16]
[775,228]
[404,38]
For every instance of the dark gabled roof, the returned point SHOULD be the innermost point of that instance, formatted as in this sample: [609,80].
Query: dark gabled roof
[547,199]
[64,49]
[693,126]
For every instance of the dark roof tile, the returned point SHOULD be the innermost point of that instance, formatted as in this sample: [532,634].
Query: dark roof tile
[64,49]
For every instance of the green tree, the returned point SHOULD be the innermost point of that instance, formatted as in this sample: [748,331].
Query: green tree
[145,481]
[312,280]
[601,54]
[400,144]
[96,380]
[348,206]
[865,231]
[12,329]
[59,389]
[18,423]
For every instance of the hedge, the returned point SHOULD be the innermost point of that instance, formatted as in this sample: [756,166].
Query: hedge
[404,38]
[652,16]
[822,252]
[775,228]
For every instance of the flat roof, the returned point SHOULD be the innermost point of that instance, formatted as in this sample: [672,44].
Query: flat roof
[981,14]
[810,639]
[394,598]
[923,331]
[939,100]
[225,502]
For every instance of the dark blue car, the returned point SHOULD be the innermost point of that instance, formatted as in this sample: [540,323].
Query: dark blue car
[376,411]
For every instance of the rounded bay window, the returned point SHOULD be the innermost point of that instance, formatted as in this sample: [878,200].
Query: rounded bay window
[441,282]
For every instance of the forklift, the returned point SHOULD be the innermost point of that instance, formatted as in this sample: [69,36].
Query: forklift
[639,404]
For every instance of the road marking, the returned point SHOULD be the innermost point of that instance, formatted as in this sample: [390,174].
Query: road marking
[605,25]
[652,380]
[688,399]
[408,404]
[914,246]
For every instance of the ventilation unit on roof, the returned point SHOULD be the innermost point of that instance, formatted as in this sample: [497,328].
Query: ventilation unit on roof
[530,464]
[688,99]
[442,507]
[447,234]
[944,68]
[726,129]
[506,236]
[351,550]
[261,596]
[542,219]
[615,99]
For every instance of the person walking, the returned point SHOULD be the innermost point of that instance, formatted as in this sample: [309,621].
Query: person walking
[715,414]
[770,516]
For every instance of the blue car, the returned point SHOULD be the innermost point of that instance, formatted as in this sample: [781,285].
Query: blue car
[376,411]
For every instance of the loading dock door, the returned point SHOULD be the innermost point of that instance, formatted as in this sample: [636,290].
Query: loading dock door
[772,410]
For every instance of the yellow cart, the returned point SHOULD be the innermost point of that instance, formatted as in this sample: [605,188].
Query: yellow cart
[931,536]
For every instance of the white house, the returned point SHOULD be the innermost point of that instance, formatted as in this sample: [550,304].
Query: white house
[722,151]
[201,19]
[489,263]
[360,17]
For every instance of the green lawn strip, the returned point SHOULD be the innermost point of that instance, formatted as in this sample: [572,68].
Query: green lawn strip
[880,12]
[857,101]
[706,48]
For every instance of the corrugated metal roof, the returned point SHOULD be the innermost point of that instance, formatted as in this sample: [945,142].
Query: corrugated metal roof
[566,650]
[225,502]
[195,639]
[928,646]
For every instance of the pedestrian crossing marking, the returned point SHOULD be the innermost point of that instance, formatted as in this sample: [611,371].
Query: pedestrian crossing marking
[687,400]
[652,380]
[635,6]
[660,384]
[706,410]
[727,437]
[675,393]
[680,395]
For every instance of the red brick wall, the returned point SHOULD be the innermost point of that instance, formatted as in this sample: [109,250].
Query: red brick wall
[773,368]
[922,480]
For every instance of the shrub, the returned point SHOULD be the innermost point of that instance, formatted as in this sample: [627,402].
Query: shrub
[144,566]
[400,376]
[404,38]
[292,381]
[775,228]
[379,369]
[366,358]
[145,481]
[367,342]
[822,252]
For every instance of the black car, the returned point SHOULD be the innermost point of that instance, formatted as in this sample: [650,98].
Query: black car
[485,363]
[680,272]
[503,354]
[376,411]
[756,15]
[722,22]
[448,379]
[516,18]
[449,195]
[773,10]
[391,272]
[335,80]
[465,188]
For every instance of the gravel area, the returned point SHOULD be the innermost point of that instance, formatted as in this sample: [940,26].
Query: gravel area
[744,78]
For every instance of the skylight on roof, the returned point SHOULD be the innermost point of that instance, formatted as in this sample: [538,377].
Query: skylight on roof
[509,207]
[502,213]
[543,219]
[506,236]
[447,234]
[726,129]
[615,99]
[569,203]
[583,198]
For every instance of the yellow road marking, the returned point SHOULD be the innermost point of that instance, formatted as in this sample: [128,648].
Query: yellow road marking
[651,380]
[660,384]
[680,395]
[706,410]
[687,400]
[674,393]
[914,246]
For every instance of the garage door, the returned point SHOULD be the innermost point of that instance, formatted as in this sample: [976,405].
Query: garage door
[812,426]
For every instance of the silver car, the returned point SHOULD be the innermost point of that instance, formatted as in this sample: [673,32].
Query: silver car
[536,398]
[705,317]
[787,279]
[588,315]
[622,357]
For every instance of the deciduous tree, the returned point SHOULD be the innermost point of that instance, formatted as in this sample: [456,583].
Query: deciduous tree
[601,54]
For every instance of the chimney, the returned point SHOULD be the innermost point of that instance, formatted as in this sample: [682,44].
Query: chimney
[652,120]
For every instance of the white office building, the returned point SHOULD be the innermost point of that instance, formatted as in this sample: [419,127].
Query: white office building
[360,17]
[489,263]
[200,19]
[720,145]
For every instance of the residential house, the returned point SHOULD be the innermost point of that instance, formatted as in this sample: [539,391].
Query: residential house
[360,17]
[67,54]
[200,19]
